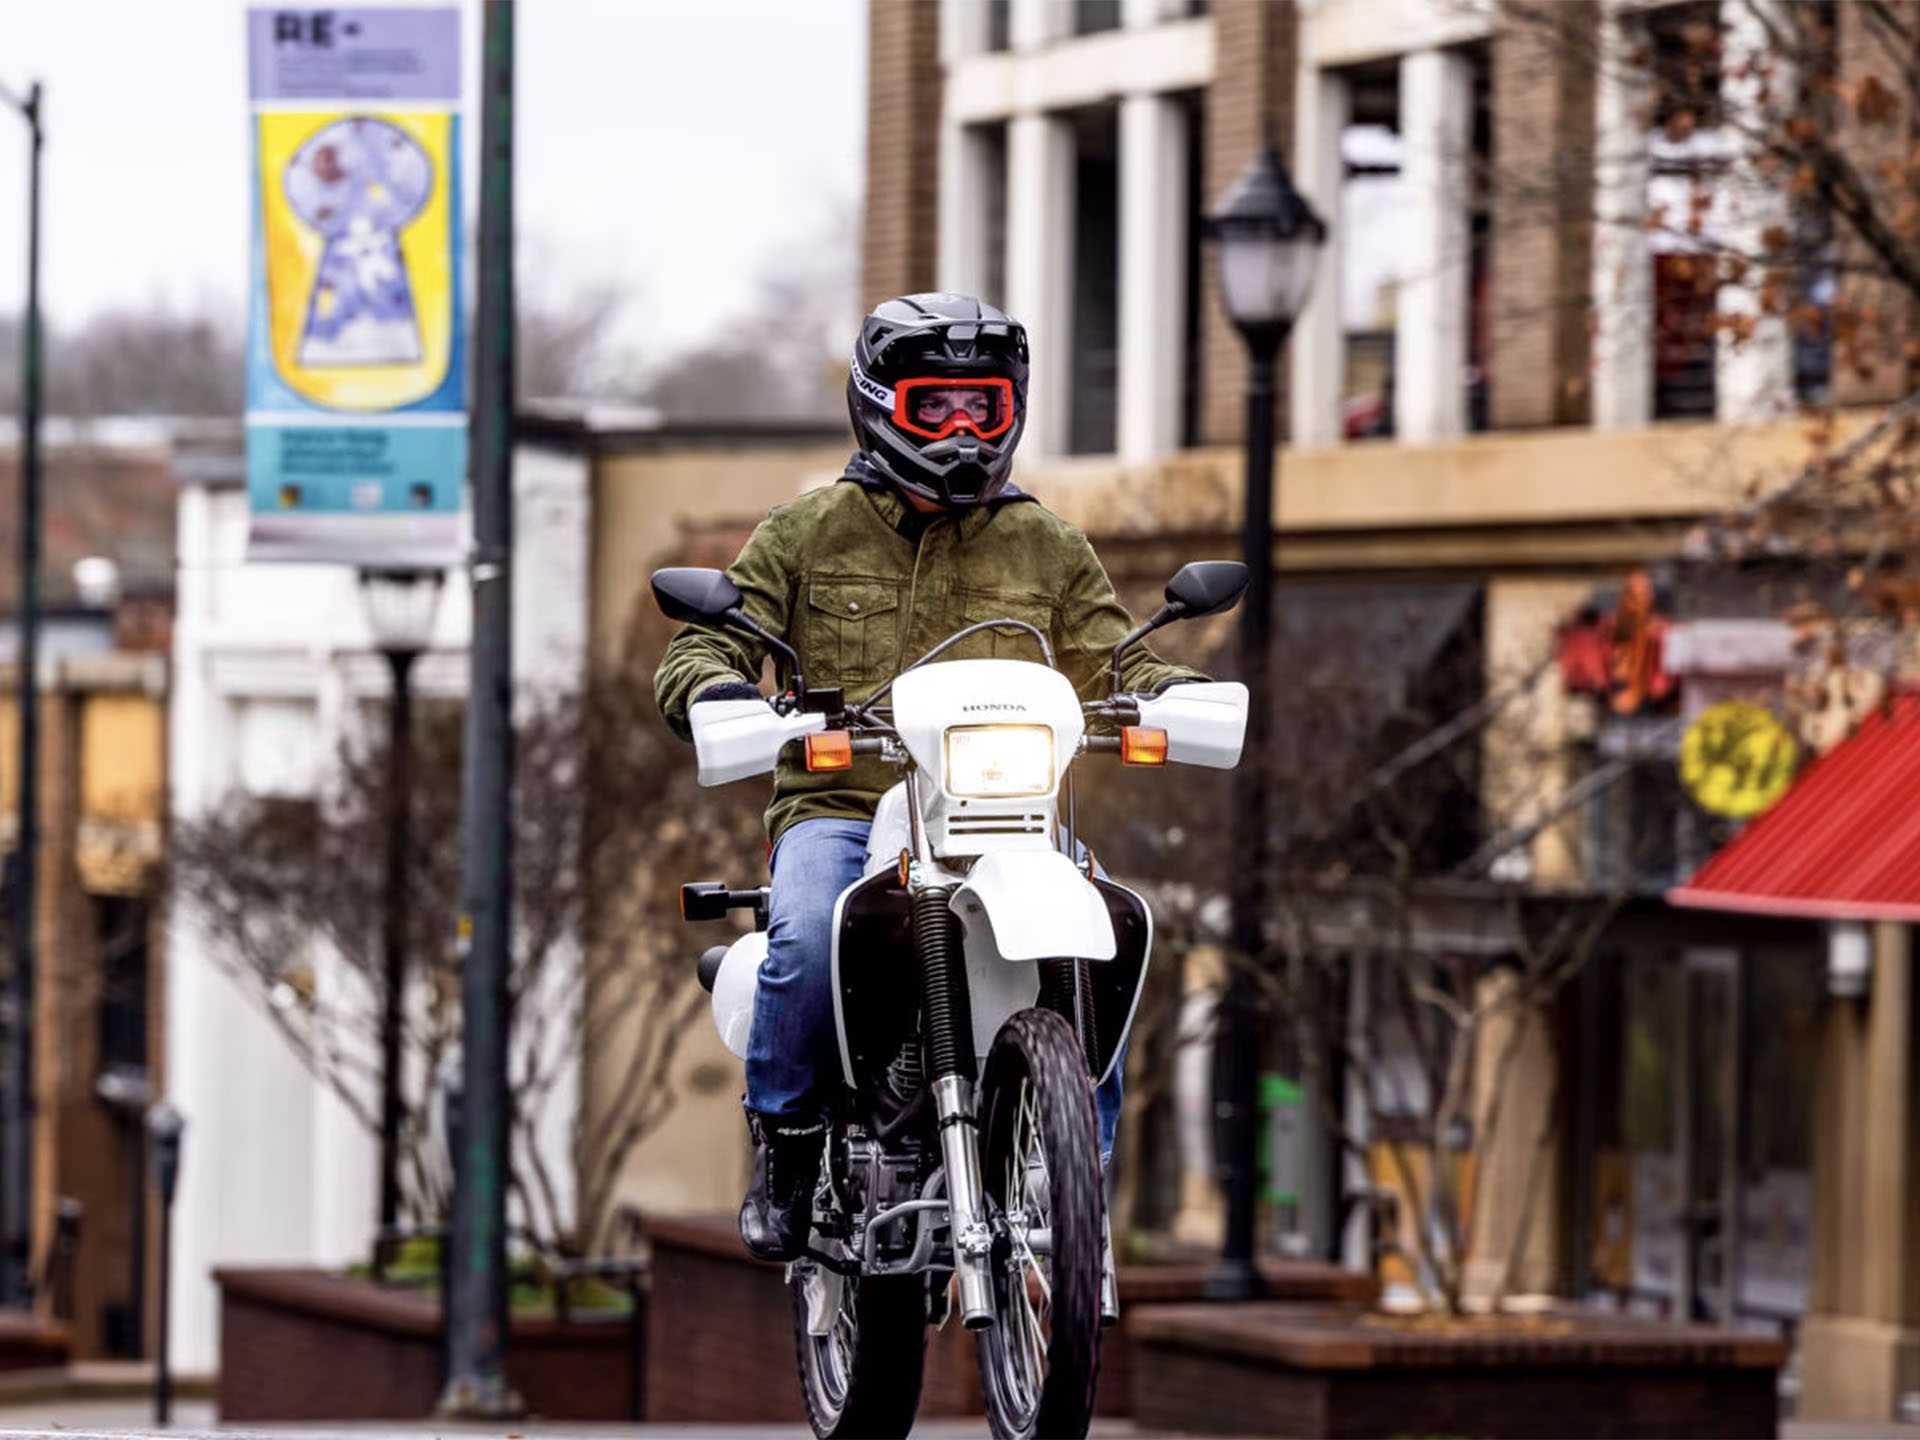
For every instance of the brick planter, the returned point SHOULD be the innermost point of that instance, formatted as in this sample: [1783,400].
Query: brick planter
[710,1297]
[1293,1370]
[287,1337]
[28,1342]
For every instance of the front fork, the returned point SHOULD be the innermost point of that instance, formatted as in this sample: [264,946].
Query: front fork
[940,947]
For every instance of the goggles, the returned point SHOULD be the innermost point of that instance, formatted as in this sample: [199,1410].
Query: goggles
[938,406]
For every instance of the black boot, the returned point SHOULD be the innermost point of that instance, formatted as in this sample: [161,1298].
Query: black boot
[777,1215]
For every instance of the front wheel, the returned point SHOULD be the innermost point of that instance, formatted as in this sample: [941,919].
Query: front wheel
[862,1378]
[1040,1161]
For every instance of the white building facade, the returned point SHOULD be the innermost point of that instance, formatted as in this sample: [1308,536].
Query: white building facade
[273,666]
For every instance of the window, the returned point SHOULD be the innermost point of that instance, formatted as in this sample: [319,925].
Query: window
[1687,152]
[1094,380]
[1192,368]
[120,929]
[1372,194]
[1090,17]
[999,25]
[993,283]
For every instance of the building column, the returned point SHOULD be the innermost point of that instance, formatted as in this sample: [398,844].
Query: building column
[1153,274]
[1432,324]
[1860,1342]
[963,31]
[970,172]
[1147,12]
[1622,258]
[1323,107]
[1753,354]
[1033,23]
[1516,1168]
[1040,155]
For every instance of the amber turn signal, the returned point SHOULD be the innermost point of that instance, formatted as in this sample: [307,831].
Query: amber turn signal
[1141,746]
[830,750]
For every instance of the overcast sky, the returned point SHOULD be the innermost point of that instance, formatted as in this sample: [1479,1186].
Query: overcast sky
[676,143]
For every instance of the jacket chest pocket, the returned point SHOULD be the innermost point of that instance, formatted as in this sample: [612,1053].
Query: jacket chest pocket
[852,629]
[1008,644]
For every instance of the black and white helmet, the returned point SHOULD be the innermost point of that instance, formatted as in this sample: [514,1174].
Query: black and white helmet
[938,395]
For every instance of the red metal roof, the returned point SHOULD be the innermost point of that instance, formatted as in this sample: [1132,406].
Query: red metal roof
[1842,844]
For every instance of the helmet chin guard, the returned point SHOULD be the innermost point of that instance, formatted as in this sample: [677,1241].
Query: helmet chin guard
[937,392]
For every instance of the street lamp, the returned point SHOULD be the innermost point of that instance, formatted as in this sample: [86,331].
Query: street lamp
[1267,239]
[400,606]
[17,1011]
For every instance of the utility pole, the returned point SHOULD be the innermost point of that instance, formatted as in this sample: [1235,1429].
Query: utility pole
[17,1009]
[476,1298]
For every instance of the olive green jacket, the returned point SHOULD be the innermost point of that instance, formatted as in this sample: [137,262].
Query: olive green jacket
[839,576]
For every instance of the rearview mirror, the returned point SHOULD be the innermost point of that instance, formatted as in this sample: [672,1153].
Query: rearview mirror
[689,593]
[1206,587]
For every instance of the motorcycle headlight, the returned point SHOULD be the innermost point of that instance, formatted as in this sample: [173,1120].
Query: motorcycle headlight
[990,761]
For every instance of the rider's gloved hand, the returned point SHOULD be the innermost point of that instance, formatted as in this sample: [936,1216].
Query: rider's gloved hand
[730,690]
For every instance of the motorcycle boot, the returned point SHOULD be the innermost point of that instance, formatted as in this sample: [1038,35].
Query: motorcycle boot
[777,1215]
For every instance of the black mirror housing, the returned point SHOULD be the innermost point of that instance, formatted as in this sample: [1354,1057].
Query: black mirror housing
[690,593]
[1206,587]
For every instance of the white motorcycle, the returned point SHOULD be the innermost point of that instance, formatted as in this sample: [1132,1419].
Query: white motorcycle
[984,979]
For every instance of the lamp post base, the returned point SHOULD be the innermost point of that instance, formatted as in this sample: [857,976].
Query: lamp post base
[1234,1280]
[480,1397]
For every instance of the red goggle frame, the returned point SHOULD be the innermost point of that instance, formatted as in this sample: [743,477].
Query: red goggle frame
[1000,407]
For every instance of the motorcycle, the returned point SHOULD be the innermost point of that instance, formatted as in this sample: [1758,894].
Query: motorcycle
[985,975]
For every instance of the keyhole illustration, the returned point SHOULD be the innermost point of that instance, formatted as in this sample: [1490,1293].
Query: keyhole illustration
[359,181]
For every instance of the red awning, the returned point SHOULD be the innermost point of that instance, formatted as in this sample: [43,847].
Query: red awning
[1842,844]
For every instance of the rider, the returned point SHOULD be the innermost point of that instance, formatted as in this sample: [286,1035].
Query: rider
[923,535]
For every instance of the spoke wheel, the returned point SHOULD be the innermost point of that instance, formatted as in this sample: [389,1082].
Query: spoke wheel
[1040,1360]
[862,1378]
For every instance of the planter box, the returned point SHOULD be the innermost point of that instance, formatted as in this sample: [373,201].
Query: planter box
[1285,1369]
[28,1342]
[315,1345]
[710,1297]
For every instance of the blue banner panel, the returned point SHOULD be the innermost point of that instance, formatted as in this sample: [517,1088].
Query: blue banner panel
[356,353]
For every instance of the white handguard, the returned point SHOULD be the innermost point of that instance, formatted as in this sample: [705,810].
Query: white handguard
[737,739]
[1205,721]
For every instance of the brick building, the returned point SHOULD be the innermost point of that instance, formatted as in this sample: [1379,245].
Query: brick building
[1506,392]
[108,598]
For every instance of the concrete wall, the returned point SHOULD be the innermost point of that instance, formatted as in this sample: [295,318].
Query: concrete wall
[647,506]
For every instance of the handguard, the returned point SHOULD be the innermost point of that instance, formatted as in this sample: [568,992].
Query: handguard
[737,739]
[1206,723]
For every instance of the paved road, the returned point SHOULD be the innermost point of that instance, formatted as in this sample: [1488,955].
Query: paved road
[116,1419]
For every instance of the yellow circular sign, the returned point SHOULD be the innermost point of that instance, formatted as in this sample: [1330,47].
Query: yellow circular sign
[1737,759]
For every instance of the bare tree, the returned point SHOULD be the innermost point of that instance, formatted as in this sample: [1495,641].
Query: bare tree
[287,895]
[1401,779]
[783,357]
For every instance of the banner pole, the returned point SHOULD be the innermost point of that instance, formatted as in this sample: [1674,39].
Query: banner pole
[476,1314]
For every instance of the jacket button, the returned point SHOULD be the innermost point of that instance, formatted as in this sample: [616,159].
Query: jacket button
[853,607]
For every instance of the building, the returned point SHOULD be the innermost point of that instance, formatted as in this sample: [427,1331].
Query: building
[272,666]
[99,1056]
[1511,382]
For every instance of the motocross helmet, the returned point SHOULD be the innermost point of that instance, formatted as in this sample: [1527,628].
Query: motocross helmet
[938,395]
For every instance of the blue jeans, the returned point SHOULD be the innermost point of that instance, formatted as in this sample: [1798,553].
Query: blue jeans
[793,1054]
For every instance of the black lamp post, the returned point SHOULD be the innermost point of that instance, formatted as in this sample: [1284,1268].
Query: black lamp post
[400,607]
[17,1009]
[1267,239]
[165,1125]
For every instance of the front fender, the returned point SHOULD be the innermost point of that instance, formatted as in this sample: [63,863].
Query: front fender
[1038,906]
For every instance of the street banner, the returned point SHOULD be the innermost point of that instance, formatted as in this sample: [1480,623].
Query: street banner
[356,367]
